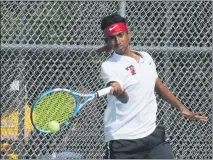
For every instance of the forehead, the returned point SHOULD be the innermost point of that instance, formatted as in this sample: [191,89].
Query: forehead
[116,34]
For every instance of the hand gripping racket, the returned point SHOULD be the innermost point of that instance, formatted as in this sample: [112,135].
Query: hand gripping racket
[61,105]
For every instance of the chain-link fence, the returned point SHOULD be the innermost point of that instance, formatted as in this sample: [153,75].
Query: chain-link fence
[52,44]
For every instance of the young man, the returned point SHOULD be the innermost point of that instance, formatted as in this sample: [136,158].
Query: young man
[130,117]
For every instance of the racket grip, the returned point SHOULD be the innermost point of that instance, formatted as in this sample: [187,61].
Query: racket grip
[104,91]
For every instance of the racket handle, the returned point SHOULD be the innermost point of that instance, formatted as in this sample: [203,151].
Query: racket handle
[104,91]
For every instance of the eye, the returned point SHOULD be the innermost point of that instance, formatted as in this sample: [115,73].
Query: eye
[110,38]
[120,34]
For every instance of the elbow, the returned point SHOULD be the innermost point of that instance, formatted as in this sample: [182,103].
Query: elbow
[157,91]
[159,94]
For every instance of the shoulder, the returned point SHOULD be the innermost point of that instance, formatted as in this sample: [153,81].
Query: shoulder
[106,66]
[109,62]
[145,55]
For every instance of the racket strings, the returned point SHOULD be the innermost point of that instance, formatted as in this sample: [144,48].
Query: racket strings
[57,106]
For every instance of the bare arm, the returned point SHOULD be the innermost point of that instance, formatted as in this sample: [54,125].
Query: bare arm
[119,92]
[168,96]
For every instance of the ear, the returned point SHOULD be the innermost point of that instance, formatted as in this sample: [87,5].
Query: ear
[105,40]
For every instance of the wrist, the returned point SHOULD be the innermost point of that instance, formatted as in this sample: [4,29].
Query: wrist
[182,108]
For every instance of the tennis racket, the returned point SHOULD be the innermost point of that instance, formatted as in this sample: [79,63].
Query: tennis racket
[61,105]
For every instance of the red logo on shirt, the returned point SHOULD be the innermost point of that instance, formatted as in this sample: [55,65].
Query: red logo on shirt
[132,70]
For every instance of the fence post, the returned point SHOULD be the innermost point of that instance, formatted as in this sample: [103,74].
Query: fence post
[122,8]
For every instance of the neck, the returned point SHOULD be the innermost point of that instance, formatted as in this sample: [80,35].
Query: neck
[129,53]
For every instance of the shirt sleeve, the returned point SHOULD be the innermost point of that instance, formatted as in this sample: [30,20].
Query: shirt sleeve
[155,68]
[150,59]
[109,74]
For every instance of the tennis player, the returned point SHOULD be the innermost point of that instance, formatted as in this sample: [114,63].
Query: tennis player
[130,117]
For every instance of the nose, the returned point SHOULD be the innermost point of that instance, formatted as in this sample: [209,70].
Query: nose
[117,40]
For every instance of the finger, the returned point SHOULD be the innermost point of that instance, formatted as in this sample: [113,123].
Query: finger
[200,117]
[195,116]
[111,91]
[199,113]
[204,120]
[118,90]
[115,90]
[121,90]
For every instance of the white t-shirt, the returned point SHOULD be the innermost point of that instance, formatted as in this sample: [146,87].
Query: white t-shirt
[137,118]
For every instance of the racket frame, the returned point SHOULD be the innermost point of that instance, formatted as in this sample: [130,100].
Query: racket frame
[78,107]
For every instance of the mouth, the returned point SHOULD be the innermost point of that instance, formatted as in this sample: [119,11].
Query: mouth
[120,47]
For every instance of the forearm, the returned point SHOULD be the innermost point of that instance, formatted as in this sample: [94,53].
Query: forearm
[170,98]
[123,97]
[167,95]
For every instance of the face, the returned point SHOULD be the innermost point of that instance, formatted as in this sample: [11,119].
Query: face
[119,41]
